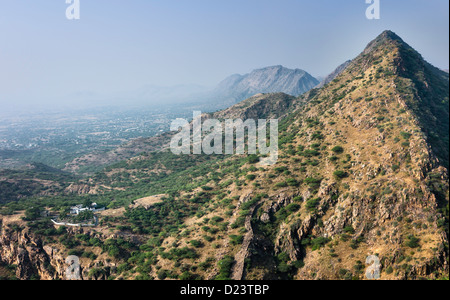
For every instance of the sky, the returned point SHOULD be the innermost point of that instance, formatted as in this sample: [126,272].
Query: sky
[120,46]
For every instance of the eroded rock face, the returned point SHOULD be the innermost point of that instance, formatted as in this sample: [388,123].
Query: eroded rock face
[373,218]
[244,252]
[285,242]
[79,189]
[33,260]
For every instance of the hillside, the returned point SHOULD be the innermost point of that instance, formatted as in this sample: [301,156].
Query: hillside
[31,180]
[373,178]
[362,170]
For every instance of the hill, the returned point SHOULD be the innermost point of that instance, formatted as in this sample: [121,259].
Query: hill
[32,180]
[361,172]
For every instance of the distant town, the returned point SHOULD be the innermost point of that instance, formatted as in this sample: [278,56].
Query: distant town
[57,138]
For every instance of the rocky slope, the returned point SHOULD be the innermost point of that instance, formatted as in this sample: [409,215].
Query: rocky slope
[376,180]
[36,257]
[359,174]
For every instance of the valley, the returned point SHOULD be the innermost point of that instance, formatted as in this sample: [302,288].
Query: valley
[56,138]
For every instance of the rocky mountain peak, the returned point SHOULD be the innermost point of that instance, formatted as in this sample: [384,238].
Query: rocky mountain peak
[385,38]
[273,79]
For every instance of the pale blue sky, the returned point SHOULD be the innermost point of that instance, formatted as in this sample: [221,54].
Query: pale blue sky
[122,45]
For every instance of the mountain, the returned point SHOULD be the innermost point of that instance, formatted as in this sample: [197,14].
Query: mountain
[371,146]
[361,183]
[266,80]
[334,74]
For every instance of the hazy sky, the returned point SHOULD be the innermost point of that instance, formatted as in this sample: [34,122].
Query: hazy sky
[122,45]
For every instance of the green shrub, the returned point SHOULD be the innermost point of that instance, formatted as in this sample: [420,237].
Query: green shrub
[340,174]
[413,242]
[310,153]
[215,220]
[293,207]
[253,159]
[292,182]
[236,239]
[319,242]
[225,266]
[281,184]
[312,204]
[338,150]
[389,270]
[349,229]
[251,177]
[405,135]
[196,243]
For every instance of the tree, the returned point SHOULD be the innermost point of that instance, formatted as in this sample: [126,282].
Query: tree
[87,203]
[32,214]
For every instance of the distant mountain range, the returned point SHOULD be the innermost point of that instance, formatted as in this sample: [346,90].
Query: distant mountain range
[232,90]
[274,79]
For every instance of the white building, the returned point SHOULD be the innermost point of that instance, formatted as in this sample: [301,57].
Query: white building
[76,210]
